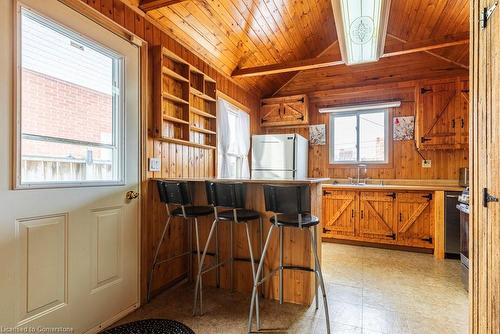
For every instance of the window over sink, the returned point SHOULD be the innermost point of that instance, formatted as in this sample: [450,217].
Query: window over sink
[359,137]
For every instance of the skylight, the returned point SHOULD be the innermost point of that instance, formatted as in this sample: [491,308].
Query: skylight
[361,28]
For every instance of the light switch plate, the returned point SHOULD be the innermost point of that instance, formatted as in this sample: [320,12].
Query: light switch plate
[154,164]
[426,163]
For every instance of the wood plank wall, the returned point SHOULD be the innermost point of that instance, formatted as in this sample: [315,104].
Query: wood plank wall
[406,162]
[177,160]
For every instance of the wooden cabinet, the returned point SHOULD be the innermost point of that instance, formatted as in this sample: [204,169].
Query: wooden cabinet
[415,221]
[377,215]
[339,212]
[284,111]
[402,218]
[442,115]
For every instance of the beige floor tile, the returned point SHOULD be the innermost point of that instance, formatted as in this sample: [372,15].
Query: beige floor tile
[369,290]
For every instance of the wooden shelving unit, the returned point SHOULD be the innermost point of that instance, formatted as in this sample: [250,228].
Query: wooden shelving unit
[184,102]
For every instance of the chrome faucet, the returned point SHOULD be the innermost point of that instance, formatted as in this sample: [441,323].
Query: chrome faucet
[364,178]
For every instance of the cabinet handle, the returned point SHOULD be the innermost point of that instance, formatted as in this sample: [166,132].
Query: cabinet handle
[453,124]
[393,195]
[362,214]
[463,123]
[400,217]
[352,213]
[427,239]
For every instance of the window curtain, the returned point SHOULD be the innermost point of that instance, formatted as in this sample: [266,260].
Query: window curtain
[223,138]
[244,142]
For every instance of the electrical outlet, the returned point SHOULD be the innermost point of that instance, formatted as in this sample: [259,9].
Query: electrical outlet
[154,165]
[426,163]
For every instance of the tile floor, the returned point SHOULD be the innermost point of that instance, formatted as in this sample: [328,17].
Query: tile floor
[369,290]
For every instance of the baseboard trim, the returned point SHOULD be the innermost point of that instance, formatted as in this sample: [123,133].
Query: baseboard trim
[378,245]
[113,319]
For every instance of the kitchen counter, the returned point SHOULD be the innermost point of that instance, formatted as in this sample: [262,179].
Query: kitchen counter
[256,181]
[415,187]
[298,285]
[404,213]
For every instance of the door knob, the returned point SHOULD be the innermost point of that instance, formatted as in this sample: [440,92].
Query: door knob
[131,195]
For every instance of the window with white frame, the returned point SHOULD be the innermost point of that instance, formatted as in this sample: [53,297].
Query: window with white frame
[71,108]
[233,133]
[359,137]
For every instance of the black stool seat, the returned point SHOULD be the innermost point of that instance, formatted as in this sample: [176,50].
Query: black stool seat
[193,211]
[292,220]
[242,215]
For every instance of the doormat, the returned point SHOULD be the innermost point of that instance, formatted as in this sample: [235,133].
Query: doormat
[151,326]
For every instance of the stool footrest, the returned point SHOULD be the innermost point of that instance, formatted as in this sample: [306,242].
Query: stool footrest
[246,259]
[213,267]
[299,268]
[288,267]
[172,258]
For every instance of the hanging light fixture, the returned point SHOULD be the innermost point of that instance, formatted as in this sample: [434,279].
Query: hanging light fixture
[361,29]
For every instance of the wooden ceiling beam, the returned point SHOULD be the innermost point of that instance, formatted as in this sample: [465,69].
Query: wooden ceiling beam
[325,61]
[297,65]
[455,40]
[147,5]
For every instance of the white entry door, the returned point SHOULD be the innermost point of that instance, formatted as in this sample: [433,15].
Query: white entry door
[69,153]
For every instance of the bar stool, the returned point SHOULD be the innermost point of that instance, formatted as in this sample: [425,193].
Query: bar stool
[291,208]
[228,196]
[178,195]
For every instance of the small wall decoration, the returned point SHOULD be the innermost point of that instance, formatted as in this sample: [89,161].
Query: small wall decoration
[403,128]
[317,134]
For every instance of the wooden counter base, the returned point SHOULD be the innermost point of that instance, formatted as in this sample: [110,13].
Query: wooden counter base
[298,285]
[385,216]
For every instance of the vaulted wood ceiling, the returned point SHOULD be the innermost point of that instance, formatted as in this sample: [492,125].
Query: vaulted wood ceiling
[242,34]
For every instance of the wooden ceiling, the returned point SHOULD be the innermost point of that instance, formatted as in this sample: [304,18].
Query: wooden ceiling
[236,35]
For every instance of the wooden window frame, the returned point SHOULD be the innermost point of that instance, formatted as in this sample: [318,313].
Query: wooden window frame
[389,146]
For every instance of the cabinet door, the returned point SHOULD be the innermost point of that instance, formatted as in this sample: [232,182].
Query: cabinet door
[339,213]
[270,112]
[463,113]
[282,111]
[377,215]
[415,219]
[295,110]
[436,116]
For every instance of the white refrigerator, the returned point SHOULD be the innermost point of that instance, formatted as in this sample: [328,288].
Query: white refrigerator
[280,156]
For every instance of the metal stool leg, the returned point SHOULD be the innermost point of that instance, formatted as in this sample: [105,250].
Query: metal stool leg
[217,270]
[231,255]
[316,279]
[198,258]
[198,278]
[320,276]
[261,244]
[281,266]
[259,271]
[253,275]
[150,283]
[190,246]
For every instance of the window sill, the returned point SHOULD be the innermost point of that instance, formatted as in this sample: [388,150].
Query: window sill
[368,165]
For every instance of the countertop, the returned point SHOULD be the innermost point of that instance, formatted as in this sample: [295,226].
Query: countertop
[423,187]
[257,181]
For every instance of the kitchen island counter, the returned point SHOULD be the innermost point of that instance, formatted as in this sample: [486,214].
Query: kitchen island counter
[255,181]
[298,285]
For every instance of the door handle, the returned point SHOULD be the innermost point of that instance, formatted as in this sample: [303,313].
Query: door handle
[130,195]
